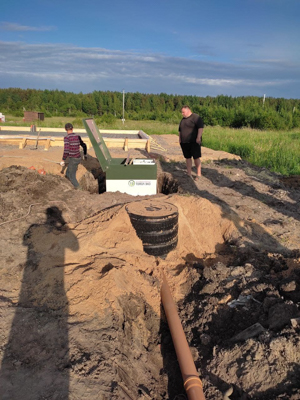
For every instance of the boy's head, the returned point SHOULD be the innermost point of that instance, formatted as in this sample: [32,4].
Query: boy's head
[68,127]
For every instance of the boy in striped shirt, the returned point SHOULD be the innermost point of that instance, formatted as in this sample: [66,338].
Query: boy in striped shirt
[72,143]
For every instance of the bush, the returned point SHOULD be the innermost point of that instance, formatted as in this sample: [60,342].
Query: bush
[47,114]
[296,120]
[108,119]
[17,113]
[207,115]
[77,123]
[222,116]
[239,120]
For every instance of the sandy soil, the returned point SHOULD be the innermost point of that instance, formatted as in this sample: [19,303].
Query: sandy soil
[81,315]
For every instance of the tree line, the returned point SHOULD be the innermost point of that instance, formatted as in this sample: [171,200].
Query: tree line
[236,112]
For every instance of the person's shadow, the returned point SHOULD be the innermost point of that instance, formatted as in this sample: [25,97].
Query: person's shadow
[36,362]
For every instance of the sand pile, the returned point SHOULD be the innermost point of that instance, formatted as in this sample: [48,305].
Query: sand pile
[84,298]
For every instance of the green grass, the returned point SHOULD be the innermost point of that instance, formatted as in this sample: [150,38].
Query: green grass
[278,151]
[149,127]
[53,122]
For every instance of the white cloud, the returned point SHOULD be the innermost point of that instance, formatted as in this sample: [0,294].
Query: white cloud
[11,26]
[68,67]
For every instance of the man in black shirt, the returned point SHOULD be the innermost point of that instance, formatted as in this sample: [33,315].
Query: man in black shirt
[190,136]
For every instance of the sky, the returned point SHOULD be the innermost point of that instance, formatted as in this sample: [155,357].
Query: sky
[191,47]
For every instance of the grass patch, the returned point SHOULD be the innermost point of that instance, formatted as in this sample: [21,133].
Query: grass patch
[278,151]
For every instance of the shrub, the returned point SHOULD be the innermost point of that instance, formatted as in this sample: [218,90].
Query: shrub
[17,113]
[108,119]
[77,123]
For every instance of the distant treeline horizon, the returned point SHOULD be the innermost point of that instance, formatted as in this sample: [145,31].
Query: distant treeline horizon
[227,111]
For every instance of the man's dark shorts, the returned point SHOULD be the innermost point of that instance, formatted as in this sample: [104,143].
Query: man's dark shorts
[190,150]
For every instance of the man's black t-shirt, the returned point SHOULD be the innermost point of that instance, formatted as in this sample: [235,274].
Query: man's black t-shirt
[188,128]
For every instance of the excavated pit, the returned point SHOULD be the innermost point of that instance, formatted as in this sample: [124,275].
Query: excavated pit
[81,310]
[166,184]
[93,181]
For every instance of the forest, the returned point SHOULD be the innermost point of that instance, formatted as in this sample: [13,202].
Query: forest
[225,111]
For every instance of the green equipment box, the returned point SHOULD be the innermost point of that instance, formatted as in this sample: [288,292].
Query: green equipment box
[137,177]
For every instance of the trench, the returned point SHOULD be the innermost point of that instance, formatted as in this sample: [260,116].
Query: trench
[211,327]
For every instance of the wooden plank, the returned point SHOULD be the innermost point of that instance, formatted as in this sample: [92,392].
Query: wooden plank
[126,144]
[22,144]
[143,135]
[48,144]
[120,131]
[57,141]
[54,141]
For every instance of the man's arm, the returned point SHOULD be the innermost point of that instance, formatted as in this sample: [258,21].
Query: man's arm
[199,135]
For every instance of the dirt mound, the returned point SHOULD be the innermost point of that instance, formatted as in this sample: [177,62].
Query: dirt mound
[80,307]
[84,299]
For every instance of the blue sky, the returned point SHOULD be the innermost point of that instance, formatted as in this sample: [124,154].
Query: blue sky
[192,47]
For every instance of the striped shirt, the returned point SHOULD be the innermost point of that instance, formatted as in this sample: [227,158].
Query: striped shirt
[72,143]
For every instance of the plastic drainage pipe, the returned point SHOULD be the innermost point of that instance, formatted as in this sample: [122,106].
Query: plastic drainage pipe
[191,380]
